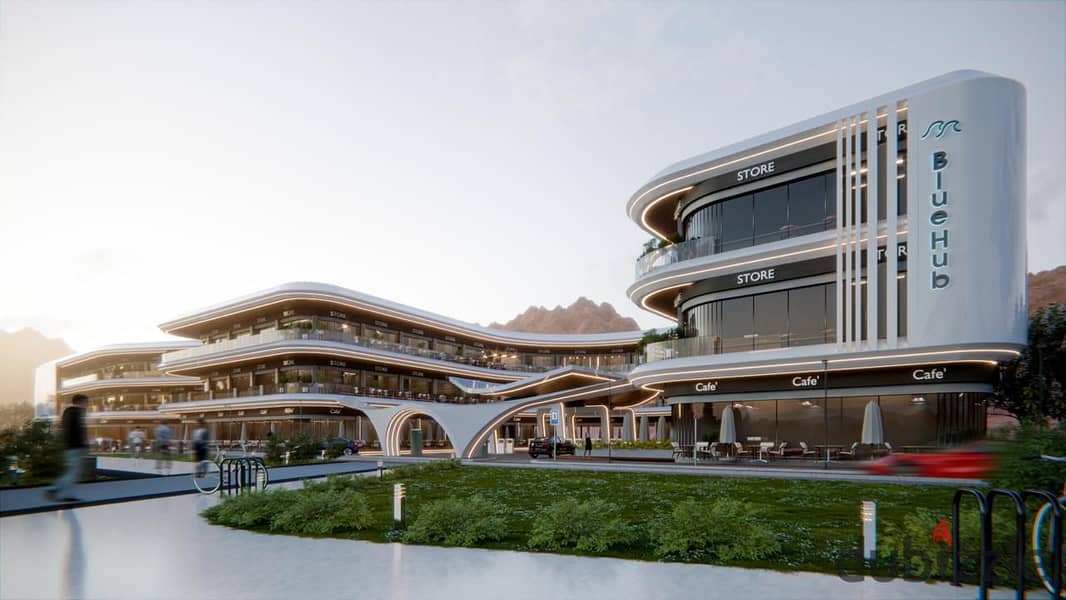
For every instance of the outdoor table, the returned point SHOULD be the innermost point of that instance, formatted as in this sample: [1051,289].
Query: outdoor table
[832,449]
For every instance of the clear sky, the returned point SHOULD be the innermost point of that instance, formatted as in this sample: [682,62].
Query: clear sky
[467,158]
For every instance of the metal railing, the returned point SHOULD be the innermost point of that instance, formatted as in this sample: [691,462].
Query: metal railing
[270,336]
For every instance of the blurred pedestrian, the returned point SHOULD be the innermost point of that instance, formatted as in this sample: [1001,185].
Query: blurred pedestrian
[76,447]
[588,444]
[162,442]
[200,438]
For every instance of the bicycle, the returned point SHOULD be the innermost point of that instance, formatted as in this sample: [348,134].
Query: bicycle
[1038,525]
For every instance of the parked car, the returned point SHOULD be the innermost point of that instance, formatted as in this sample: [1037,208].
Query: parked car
[546,445]
[343,445]
[967,462]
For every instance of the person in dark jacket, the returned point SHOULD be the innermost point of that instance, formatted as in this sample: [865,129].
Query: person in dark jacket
[76,447]
[588,444]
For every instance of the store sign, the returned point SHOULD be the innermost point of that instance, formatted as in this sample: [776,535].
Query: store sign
[931,374]
[940,276]
[709,386]
[763,170]
[338,363]
[756,276]
[334,411]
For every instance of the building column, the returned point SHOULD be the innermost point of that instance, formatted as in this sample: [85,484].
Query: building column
[627,426]
[644,428]
[605,426]
[660,429]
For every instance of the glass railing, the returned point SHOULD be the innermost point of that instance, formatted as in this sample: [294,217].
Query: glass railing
[707,246]
[324,388]
[91,377]
[708,345]
[270,336]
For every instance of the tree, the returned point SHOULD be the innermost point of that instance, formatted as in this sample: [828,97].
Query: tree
[1031,388]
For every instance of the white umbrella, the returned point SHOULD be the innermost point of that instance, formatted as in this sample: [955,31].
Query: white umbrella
[727,434]
[873,431]
[340,429]
[244,436]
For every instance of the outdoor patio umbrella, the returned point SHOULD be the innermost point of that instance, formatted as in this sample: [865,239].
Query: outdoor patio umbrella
[340,429]
[244,435]
[728,432]
[873,431]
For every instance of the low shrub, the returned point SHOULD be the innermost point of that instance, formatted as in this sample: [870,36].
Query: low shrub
[456,522]
[590,526]
[304,445]
[724,529]
[426,468]
[250,511]
[322,512]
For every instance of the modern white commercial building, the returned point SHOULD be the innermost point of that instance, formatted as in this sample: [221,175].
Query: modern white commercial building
[874,255]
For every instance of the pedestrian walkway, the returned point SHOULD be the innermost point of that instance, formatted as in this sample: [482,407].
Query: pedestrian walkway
[31,500]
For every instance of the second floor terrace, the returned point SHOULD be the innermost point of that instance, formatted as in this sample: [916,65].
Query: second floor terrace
[311,329]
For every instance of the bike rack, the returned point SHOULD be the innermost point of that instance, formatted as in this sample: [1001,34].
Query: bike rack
[1056,537]
[242,473]
[986,540]
[1019,533]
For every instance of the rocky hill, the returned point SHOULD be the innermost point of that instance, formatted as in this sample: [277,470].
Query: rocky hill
[21,353]
[583,316]
[1047,287]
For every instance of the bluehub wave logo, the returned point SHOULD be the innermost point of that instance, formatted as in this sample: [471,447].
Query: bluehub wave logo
[939,128]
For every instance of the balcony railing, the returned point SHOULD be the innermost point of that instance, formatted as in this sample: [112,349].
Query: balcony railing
[709,345]
[707,246]
[91,377]
[324,388]
[270,336]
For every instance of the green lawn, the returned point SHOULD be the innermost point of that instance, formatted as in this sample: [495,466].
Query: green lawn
[817,523]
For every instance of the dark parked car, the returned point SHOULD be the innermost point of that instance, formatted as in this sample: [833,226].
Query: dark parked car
[544,445]
[343,445]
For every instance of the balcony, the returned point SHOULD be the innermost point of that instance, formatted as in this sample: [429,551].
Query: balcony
[710,345]
[325,388]
[270,336]
[91,377]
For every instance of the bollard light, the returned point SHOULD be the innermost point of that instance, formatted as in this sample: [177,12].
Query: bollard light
[381,469]
[397,503]
[286,457]
[869,530]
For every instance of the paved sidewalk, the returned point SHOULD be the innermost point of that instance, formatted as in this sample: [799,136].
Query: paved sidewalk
[31,500]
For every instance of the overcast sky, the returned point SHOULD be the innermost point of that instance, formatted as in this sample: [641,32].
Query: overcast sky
[467,158]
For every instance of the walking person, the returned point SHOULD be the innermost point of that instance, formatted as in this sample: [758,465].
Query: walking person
[200,438]
[76,447]
[588,444]
[162,442]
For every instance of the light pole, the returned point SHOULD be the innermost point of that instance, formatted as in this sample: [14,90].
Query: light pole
[825,407]
[609,425]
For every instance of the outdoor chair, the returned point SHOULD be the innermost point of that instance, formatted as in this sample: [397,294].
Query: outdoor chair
[741,450]
[805,451]
[677,450]
[850,453]
[779,452]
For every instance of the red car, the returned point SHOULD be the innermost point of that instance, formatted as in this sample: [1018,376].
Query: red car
[968,462]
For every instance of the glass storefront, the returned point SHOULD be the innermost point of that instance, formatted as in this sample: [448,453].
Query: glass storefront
[910,422]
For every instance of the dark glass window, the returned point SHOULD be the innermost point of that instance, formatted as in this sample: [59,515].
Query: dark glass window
[830,200]
[737,325]
[736,223]
[806,315]
[830,312]
[771,320]
[806,206]
[771,214]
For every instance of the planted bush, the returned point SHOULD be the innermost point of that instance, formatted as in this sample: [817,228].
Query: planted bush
[323,513]
[314,511]
[456,522]
[1018,473]
[589,526]
[724,529]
